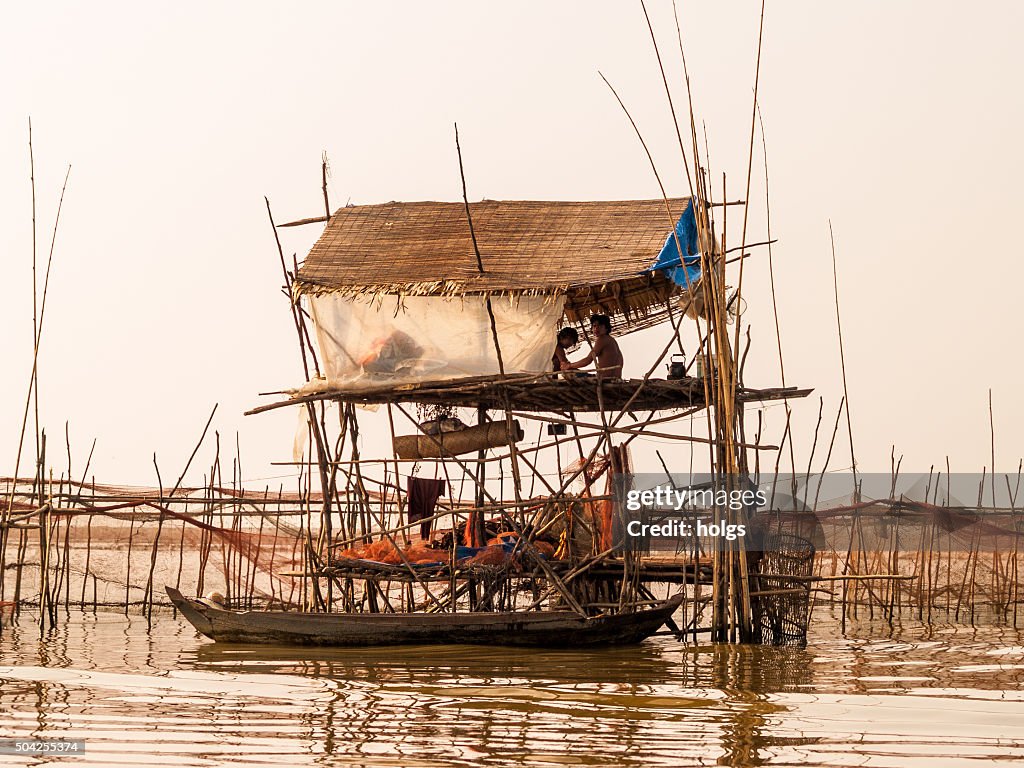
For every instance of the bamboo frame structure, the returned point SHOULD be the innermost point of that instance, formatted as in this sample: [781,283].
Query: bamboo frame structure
[344,541]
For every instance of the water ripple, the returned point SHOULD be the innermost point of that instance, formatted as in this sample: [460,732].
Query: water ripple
[157,694]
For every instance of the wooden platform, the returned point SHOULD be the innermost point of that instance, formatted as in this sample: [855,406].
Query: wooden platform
[541,394]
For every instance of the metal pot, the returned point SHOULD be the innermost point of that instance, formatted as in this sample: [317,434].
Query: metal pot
[677,367]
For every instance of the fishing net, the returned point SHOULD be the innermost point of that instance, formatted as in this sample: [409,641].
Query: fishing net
[118,546]
[913,556]
[781,599]
[94,545]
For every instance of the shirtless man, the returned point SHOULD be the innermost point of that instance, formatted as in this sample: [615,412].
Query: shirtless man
[606,350]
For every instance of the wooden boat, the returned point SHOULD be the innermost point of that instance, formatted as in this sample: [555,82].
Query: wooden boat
[550,629]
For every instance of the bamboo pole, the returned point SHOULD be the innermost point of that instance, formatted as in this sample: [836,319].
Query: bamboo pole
[37,328]
[842,358]
[636,431]
[323,176]
[529,549]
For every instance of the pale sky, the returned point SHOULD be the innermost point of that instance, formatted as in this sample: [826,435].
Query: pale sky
[900,122]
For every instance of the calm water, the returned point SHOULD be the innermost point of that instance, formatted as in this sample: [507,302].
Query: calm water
[161,695]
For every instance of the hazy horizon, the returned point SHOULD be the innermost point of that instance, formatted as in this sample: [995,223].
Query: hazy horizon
[895,122]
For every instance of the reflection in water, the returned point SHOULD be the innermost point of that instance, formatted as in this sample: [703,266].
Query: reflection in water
[875,698]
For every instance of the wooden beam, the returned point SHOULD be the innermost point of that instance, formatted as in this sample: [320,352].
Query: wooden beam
[300,222]
[639,431]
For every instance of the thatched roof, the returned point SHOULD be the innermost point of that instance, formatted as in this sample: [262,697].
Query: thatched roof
[597,253]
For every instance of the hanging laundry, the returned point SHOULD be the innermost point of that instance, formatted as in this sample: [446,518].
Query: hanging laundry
[423,496]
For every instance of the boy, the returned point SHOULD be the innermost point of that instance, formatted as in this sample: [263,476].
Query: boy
[605,351]
[566,339]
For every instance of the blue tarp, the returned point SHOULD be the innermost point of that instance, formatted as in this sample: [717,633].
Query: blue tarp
[685,272]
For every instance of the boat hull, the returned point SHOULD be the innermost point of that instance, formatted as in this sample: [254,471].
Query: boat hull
[548,629]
